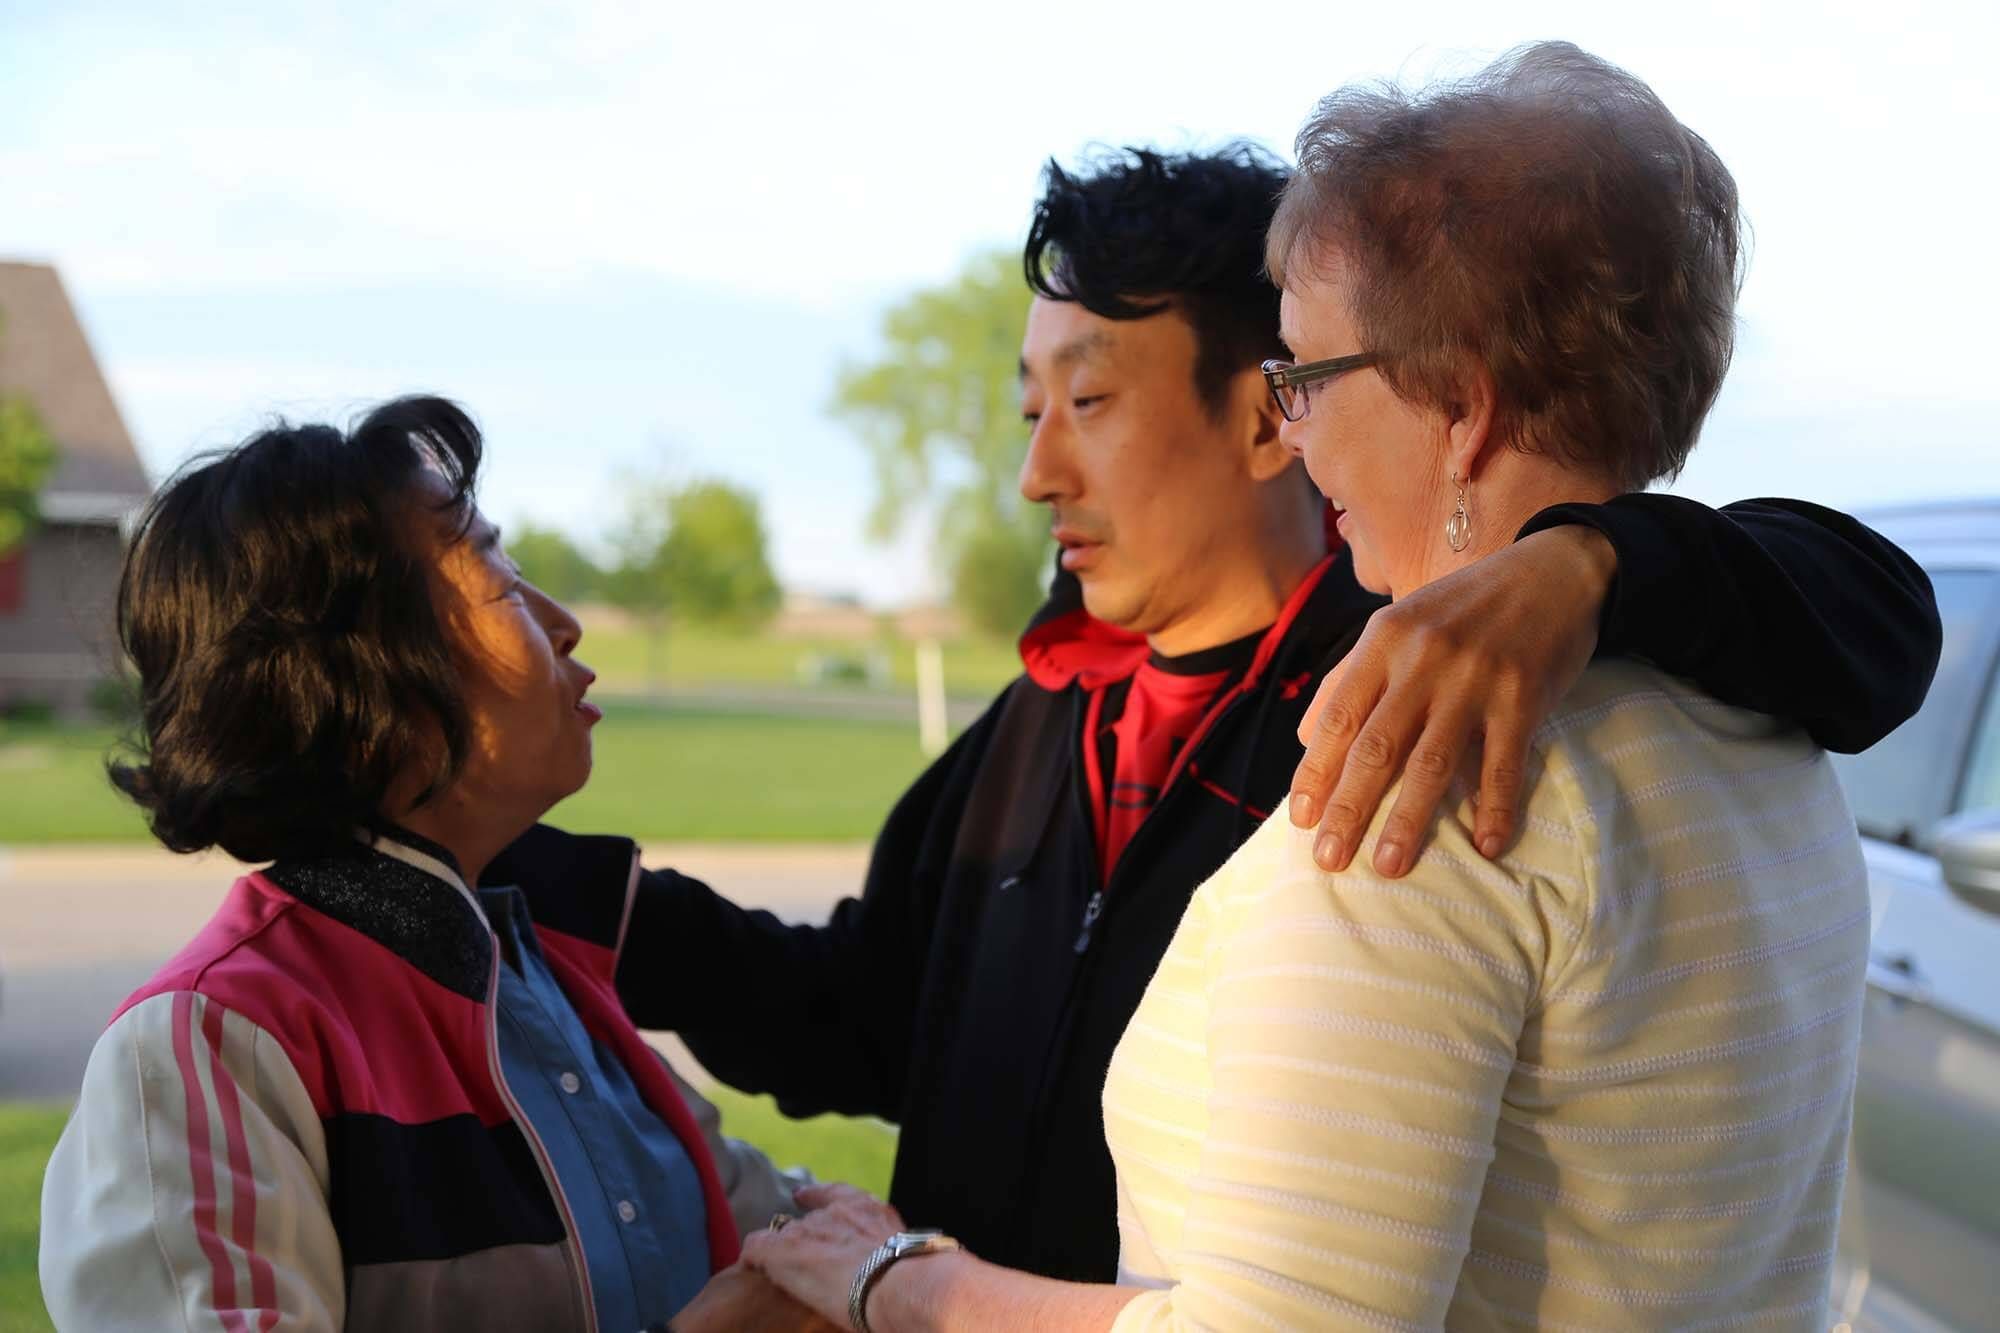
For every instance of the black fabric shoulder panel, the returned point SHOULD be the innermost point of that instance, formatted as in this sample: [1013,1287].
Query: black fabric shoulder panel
[418,917]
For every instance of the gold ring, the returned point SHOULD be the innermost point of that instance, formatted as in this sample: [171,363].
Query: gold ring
[778,1221]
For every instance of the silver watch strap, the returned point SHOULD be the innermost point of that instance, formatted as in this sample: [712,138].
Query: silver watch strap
[903,1245]
[864,1278]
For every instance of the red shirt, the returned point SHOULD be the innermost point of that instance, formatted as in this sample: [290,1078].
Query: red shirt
[1142,725]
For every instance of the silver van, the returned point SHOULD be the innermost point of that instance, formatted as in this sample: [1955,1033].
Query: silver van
[1920,1228]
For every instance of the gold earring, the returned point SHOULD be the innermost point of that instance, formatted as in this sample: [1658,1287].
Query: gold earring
[1458,528]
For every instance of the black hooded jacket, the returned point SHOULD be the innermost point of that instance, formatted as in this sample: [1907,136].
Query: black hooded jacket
[973,994]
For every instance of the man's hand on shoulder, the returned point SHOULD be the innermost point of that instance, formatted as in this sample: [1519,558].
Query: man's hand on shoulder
[1482,655]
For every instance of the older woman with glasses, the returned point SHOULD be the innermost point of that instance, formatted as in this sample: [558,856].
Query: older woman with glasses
[1605,1080]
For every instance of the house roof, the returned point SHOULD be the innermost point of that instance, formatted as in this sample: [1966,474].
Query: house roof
[45,356]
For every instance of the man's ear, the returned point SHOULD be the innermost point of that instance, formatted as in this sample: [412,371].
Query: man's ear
[1251,399]
[1471,436]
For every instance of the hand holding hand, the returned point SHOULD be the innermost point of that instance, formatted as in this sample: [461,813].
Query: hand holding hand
[740,1300]
[1485,652]
[816,1257]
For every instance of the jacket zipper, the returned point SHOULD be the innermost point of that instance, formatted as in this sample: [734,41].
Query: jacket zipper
[574,1242]
[1093,907]
[1087,713]
[1091,911]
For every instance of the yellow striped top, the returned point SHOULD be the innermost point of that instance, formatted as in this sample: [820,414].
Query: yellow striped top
[1602,1084]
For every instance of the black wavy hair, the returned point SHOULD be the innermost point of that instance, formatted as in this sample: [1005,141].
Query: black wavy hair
[290,662]
[1134,231]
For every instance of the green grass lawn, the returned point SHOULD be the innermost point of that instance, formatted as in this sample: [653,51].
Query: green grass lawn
[660,775]
[742,777]
[27,1136]
[857,1151]
[56,791]
[694,655]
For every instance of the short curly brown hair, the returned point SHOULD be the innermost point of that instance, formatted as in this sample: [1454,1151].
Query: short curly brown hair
[1548,218]
[291,664]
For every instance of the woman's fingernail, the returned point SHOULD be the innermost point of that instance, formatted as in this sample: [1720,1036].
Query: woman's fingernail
[1327,851]
[1489,846]
[1302,811]
[1389,858]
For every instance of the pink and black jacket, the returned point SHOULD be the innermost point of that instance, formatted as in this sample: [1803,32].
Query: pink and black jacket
[300,1123]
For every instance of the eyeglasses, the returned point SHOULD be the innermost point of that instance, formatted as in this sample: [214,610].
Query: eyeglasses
[1288,381]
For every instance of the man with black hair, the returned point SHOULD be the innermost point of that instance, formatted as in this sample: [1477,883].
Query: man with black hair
[1026,887]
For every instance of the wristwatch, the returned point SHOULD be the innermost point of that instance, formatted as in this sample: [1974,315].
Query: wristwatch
[899,1246]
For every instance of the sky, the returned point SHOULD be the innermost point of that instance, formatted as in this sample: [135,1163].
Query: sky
[643,239]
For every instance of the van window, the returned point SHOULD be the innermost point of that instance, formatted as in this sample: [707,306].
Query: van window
[1907,782]
[1982,776]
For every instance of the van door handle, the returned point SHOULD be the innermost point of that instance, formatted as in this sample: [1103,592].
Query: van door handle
[1899,977]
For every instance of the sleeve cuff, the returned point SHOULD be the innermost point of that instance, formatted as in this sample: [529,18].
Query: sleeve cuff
[1649,561]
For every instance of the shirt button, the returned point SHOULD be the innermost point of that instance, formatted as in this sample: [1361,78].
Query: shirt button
[626,1212]
[570,1083]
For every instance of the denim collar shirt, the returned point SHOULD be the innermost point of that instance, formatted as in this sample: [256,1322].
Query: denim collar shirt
[633,1192]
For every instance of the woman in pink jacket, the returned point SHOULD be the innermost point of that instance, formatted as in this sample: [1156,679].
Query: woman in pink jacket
[390,1085]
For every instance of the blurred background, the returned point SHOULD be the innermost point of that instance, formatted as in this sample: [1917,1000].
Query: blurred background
[735,294]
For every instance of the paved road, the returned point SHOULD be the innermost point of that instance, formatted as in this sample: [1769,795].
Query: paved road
[81,929]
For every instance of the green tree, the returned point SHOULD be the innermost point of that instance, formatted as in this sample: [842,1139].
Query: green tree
[553,563]
[714,559]
[634,581]
[940,414]
[27,457]
[697,551]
